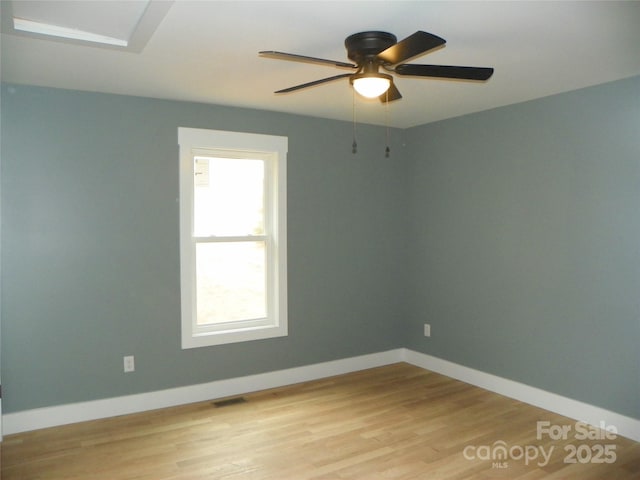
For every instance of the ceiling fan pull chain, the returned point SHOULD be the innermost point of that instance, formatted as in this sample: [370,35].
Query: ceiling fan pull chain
[354,145]
[387,151]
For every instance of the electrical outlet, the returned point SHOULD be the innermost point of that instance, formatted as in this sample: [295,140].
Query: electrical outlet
[129,364]
[427,330]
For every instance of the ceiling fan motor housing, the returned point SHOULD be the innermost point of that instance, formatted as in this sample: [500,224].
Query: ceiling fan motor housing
[363,45]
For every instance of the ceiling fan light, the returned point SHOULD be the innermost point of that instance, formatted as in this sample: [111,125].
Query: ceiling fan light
[371,85]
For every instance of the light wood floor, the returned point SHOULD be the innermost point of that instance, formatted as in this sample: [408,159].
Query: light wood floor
[393,422]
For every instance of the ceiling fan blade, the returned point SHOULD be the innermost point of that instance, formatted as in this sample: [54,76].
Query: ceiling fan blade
[390,95]
[445,71]
[416,44]
[303,58]
[315,82]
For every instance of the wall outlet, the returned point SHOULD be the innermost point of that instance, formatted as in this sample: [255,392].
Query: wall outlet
[427,330]
[129,364]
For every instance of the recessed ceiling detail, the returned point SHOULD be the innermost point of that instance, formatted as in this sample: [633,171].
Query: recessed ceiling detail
[121,24]
[31,26]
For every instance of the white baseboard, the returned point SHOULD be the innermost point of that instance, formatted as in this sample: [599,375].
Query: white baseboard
[38,418]
[574,409]
[77,412]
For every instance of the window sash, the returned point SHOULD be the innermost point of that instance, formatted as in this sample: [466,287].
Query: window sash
[216,185]
[270,282]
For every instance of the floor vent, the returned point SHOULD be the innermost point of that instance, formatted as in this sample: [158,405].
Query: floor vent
[229,401]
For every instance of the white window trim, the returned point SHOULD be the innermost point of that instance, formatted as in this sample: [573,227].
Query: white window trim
[194,141]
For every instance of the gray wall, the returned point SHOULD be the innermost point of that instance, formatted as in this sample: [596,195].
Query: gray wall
[514,232]
[90,246]
[526,243]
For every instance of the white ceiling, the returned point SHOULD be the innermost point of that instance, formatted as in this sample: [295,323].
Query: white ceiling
[207,51]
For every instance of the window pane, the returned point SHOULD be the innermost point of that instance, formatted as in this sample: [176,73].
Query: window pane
[228,196]
[230,282]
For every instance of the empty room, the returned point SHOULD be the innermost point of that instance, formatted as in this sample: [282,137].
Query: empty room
[319,240]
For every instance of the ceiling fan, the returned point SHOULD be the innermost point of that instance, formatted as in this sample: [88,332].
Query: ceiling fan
[372,51]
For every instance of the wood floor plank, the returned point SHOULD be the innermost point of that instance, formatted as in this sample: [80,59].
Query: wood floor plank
[397,422]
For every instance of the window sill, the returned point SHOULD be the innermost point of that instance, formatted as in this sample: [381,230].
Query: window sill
[232,336]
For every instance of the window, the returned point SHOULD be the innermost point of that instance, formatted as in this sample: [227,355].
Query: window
[233,244]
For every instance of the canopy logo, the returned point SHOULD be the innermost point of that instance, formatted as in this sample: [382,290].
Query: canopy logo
[500,452]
